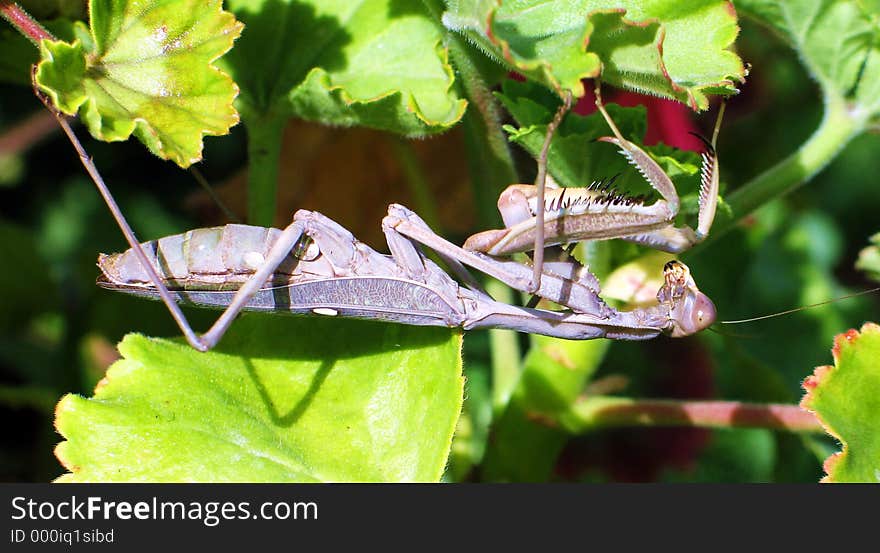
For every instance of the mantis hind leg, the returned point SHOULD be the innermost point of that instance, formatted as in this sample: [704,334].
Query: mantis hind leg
[277,254]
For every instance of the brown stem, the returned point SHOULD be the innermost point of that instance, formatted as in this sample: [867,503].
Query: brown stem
[22,21]
[605,411]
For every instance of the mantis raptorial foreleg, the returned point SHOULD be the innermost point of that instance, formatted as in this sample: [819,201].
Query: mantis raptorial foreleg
[571,293]
[598,212]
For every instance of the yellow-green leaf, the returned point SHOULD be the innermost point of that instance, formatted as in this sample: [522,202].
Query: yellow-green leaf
[146,68]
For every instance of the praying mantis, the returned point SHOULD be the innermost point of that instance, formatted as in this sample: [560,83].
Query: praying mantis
[315,266]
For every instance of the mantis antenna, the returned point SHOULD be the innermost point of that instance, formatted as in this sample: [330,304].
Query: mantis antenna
[802,308]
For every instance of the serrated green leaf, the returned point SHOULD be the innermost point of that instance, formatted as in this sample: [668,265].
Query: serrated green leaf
[837,40]
[869,259]
[846,399]
[472,431]
[671,49]
[145,68]
[281,399]
[376,63]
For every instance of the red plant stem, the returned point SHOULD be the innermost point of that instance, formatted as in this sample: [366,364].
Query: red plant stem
[27,132]
[22,21]
[604,412]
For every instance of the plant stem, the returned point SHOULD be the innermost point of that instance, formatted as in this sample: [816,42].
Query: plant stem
[839,125]
[264,152]
[490,162]
[607,412]
[26,25]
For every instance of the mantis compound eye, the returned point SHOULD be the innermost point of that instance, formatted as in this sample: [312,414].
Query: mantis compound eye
[692,314]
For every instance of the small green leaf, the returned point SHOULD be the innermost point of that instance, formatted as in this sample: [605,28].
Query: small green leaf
[376,63]
[869,258]
[671,49]
[281,399]
[846,399]
[146,68]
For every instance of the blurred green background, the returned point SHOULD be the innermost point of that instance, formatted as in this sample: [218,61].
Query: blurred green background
[58,330]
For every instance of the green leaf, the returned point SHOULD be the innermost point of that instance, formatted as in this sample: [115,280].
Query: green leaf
[281,399]
[146,68]
[837,41]
[846,399]
[671,49]
[376,63]
[869,258]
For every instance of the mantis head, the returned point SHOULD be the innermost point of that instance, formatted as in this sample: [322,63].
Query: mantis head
[690,310]
[692,313]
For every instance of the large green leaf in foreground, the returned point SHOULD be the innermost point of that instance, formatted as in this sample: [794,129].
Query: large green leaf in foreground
[281,399]
[846,399]
[146,68]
